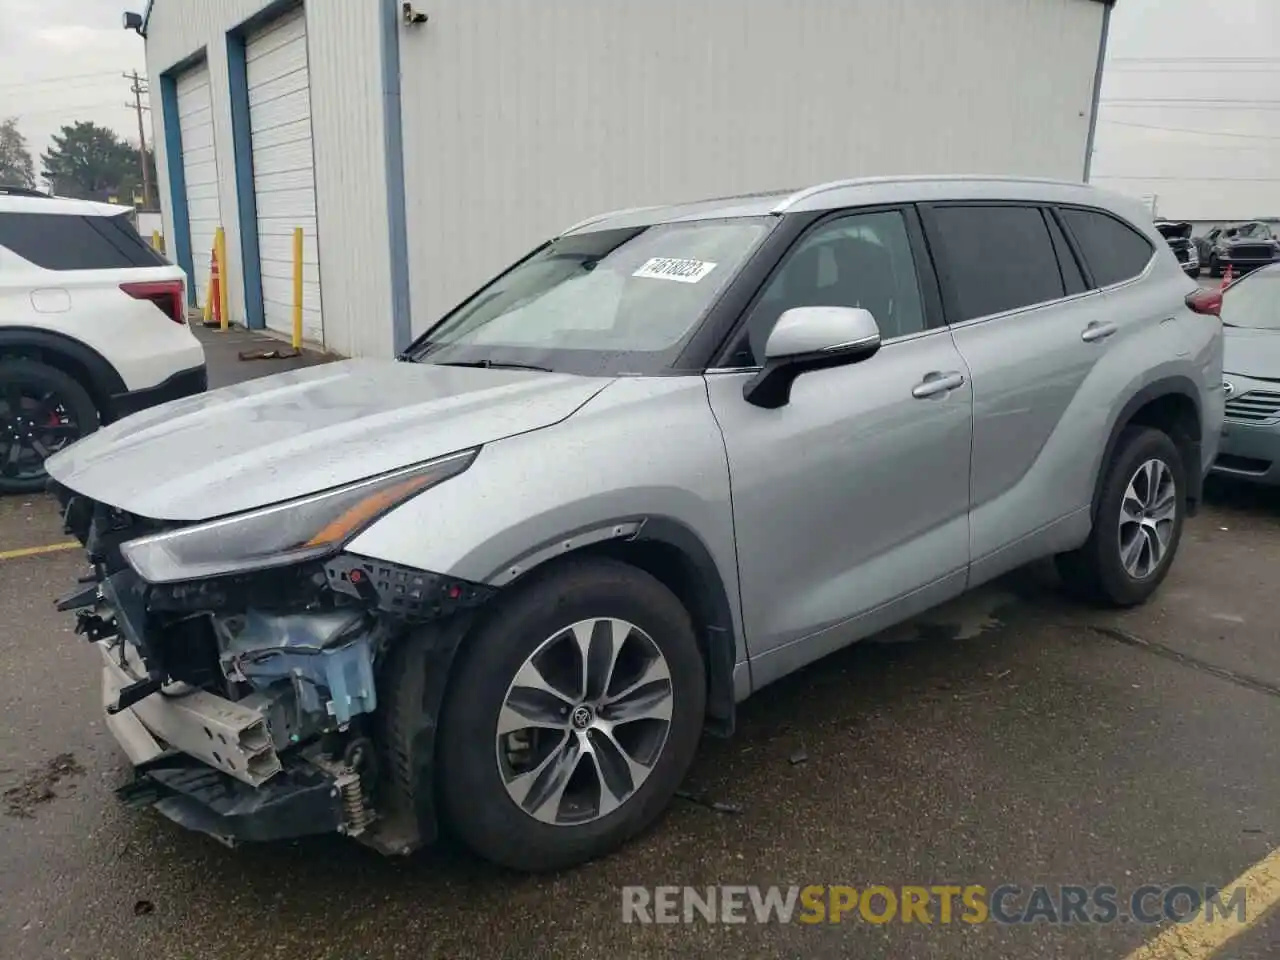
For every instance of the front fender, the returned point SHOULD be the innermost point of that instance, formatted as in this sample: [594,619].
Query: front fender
[642,450]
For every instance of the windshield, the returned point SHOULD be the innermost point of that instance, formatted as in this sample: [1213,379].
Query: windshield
[1254,301]
[607,302]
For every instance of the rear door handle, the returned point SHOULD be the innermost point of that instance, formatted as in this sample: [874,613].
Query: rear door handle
[936,384]
[1098,331]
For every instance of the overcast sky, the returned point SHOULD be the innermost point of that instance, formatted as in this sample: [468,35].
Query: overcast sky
[61,60]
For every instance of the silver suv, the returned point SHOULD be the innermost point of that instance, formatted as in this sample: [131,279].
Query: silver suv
[668,457]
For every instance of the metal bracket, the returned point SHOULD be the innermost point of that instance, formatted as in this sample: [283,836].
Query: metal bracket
[411,16]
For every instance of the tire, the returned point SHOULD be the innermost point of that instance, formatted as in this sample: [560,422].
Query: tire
[61,409]
[1097,572]
[1215,268]
[474,771]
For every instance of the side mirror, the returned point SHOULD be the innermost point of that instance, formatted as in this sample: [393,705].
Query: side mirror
[810,338]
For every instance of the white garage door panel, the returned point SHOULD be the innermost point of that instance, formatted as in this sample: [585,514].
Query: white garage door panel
[292,132]
[290,79]
[200,171]
[272,114]
[276,35]
[286,157]
[283,171]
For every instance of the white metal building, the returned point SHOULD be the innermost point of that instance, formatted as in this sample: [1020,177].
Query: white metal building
[422,147]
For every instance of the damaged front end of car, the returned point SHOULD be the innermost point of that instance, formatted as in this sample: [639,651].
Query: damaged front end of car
[264,682]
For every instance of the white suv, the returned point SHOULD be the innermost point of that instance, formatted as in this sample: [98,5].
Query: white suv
[92,328]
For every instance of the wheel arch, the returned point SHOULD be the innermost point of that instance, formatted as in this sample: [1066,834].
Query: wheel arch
[676,556]
[1170,404]
[88,367]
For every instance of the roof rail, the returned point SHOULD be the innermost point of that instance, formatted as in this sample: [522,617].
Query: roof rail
[605,216]
[820,188]
[14,190]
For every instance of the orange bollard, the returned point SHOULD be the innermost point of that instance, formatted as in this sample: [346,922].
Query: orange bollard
[1226,278]
[213,295]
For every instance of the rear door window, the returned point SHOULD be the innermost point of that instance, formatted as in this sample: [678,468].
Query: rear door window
[994,258]
[1113,250]
[57,241]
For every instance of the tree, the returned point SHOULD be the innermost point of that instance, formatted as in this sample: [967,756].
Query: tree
[90,161]
[16,167]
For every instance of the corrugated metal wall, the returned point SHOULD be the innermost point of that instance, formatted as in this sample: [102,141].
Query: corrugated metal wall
[349,139]
[521,116]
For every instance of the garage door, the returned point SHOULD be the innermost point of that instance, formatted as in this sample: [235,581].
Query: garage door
[199,169]
[283,176]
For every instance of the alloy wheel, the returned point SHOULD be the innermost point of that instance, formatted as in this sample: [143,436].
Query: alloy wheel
[584,721]
[34,424]
[1147,515]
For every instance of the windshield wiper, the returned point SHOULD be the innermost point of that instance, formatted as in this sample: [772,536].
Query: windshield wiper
[495,365]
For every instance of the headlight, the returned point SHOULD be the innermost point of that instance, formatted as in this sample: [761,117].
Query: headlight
[285,533]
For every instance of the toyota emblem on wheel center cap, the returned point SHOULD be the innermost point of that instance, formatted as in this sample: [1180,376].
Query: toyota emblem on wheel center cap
[581,718]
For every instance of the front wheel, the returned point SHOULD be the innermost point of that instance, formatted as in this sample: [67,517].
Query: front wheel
[1137,525]
[1215,268]
[571,718]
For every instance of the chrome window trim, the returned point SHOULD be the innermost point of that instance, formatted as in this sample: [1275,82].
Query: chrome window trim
[905,338]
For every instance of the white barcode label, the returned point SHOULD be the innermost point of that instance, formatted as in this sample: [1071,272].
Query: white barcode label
[670,268]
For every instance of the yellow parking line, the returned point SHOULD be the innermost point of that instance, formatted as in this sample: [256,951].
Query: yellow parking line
[35,551]
[1200,938]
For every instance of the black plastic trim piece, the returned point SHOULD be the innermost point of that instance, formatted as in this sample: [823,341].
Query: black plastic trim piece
[299,801]
[409,594]
[184,383]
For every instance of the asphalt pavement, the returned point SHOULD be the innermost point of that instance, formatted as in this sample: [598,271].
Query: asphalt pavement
[1009,738]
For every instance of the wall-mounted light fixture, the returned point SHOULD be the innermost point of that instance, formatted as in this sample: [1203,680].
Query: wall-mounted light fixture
[412,16]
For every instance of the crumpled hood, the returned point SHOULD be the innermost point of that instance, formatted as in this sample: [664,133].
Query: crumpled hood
[306,430]
[1251,353]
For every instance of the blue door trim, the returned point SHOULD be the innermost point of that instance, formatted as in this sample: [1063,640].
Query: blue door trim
[246,199]
[177,180]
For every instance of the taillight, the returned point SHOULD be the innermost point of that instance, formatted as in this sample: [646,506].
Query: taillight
[1208,302]
[165,294]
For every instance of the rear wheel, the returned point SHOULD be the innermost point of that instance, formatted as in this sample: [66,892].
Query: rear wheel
[42,410]
[1215,268]
[1137,524]
[571,718]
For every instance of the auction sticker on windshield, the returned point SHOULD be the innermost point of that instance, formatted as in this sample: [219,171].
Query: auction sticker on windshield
[670,268]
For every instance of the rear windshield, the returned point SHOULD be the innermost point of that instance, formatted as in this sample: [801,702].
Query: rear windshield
[58,241]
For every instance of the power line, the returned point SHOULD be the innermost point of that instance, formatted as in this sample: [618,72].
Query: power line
[1112,176]
[72,76]
[1199,132]
[25,114]
[1194,60]
[1214,100]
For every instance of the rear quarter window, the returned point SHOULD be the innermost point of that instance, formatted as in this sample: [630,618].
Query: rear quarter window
[67,242]
[1112,250]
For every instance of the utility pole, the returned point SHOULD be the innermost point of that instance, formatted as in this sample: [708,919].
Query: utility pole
[138,89]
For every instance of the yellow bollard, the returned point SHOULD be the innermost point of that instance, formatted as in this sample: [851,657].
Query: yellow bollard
[155,242]
[297,288]
[220,244]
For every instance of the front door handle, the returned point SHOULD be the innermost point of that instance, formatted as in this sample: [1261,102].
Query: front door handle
[936,384]
[1098,331]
